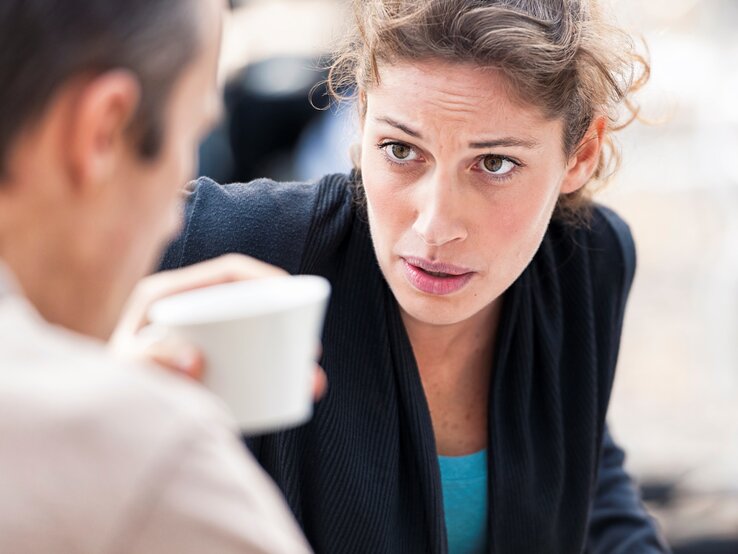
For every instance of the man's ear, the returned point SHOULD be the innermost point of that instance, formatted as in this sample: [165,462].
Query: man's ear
[583,162]
[97,127]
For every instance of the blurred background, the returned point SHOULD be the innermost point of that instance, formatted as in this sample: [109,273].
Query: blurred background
[675,403]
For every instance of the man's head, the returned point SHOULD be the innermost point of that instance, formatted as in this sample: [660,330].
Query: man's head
[102,105]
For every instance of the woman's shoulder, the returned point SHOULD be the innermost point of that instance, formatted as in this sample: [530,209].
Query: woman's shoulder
[260,192]
[599,254]
[266,219]
[611,244]
[609,227]
[602,249]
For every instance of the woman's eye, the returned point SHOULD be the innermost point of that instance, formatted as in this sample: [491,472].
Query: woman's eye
[497,165]
[399,152]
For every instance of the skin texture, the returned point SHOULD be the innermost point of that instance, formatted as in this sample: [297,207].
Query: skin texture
[105,212]
[457,171]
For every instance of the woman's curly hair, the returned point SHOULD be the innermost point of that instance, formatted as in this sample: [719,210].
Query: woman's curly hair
[563,56]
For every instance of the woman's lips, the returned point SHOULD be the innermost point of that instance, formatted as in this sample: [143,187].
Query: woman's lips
[435,278]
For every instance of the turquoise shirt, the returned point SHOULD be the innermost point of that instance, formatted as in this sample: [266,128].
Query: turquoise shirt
[464,484]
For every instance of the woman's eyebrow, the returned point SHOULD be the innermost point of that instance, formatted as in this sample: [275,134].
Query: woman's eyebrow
[494,143]
[505,141]
[397,125]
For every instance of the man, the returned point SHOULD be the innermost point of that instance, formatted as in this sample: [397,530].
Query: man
[102,105]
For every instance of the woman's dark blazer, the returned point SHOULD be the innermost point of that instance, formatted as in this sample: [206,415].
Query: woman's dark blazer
[362,475]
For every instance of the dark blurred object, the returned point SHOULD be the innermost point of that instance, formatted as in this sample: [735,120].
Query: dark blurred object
[708,546]
[676,505]
[233,4]
[268,106]
[658,492]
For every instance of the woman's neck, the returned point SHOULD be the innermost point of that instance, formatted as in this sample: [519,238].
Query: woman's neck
[467,346]
[455,366]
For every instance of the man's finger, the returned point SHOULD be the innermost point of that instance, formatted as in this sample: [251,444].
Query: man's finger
[225,269]
[176,356]
[320,384]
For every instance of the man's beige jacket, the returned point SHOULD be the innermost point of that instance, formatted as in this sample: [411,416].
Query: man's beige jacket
[99,456]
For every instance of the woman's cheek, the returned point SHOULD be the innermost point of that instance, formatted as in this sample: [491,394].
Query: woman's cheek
[529,221]
[383,214]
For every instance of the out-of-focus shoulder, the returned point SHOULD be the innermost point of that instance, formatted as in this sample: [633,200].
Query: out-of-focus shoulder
[69,378]
[260,193]
[265,219]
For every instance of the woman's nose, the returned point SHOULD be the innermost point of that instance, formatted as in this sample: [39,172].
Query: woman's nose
[440,212]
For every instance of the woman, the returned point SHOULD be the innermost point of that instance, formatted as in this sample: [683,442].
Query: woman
[471,340]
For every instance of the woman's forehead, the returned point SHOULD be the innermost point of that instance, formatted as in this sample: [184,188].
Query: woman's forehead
[440,93]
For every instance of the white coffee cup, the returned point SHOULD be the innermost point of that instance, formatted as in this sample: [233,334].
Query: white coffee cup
[259,338]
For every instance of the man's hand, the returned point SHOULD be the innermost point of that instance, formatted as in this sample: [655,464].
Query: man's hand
[171,353]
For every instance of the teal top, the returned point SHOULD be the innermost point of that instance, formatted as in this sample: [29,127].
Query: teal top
[464,484]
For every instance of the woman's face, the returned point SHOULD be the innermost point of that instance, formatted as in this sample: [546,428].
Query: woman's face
[461,182]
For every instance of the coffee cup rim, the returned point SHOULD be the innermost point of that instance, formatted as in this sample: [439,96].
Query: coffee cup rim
[169,311]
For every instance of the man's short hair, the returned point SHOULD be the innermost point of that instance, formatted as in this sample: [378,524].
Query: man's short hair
[44,43]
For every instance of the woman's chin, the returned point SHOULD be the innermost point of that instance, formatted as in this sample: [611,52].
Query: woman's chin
[432,310]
